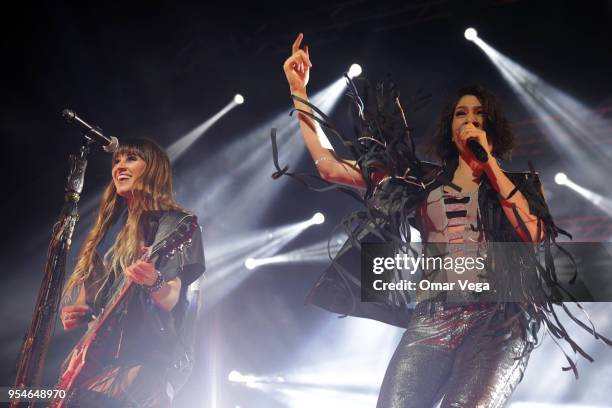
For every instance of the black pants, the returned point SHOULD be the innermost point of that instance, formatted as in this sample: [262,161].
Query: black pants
[463,355]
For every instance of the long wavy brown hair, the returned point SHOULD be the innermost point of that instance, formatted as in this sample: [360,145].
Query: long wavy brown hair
[496,124]
[152,191]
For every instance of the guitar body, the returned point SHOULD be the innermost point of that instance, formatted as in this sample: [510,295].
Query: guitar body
[94,345]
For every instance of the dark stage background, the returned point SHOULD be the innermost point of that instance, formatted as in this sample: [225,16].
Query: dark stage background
[160,71]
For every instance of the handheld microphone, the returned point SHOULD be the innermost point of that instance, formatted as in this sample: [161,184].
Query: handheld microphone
[109,144]
[475,147]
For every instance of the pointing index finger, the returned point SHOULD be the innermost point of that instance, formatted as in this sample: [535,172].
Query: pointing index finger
[297,42]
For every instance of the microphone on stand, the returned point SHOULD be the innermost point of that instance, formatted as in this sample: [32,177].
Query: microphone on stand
[475,147]
[109,143]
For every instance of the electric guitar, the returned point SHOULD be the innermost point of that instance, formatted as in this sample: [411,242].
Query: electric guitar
[82,358]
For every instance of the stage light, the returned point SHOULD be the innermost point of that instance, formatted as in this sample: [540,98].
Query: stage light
[354,71]
[470,34]
[318,218]
[250,263]
[238,378]
[234,376]
[239,99]
[560,178]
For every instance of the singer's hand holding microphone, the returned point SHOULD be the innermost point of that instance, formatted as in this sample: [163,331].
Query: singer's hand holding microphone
[474,140]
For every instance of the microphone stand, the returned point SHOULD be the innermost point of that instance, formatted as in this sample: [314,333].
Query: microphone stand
[36,340]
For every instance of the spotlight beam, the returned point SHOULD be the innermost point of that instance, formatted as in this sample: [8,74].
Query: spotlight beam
[327,372]
[176,149]
[247,166]
[572,134]
[228,262]
[603,203]
[318,252]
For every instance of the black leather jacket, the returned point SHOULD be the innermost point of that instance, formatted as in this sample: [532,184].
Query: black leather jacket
[339,290]
[142,333]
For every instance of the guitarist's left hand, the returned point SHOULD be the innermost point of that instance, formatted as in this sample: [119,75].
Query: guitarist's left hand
[142,272]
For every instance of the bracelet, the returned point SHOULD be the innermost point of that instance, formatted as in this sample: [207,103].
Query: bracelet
[159,282]
[320,159]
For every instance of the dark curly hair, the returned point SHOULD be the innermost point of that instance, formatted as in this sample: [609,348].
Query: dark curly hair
[495,124]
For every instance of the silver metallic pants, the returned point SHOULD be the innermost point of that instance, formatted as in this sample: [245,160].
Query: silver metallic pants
[461,355]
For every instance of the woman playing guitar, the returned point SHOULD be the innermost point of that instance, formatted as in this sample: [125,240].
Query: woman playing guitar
[138,348]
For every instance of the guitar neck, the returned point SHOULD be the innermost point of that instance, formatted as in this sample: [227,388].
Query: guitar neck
[108,310]
[119,297]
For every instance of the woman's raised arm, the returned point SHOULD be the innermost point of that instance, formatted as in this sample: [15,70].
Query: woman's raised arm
[330,167]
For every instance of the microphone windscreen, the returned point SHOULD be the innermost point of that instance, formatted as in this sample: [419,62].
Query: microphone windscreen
[112,146]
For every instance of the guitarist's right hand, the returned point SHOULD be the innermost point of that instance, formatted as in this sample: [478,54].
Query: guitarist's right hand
[74,315]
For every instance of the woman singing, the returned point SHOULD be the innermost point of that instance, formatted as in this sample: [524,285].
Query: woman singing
[143,350]
[464,353]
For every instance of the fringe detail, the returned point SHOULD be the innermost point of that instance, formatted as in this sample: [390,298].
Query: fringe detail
[383,140]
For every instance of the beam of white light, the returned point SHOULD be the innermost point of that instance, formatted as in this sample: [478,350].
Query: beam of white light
[304,396]
[315,253]
[246,243]
[213,377]
[227,261]
[289,258]
[360,368]
[336,370]
[295,257]
[354,71]
[598,200]
[225,273]
[242,170]
[572,128]
[176,149]
[248,380]
[257,242]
